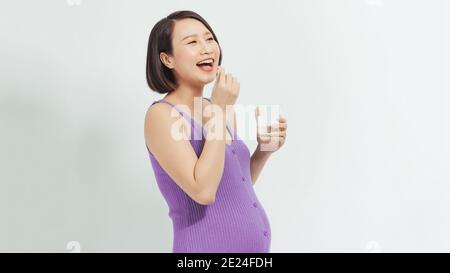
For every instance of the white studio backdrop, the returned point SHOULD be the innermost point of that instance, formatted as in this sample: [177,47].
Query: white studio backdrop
[364,85]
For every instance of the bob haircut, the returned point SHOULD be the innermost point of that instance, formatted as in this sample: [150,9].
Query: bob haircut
[159,77]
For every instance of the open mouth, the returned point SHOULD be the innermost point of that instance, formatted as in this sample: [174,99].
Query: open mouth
[208,63]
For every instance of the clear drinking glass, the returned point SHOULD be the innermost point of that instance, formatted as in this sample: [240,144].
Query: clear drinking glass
[267,114]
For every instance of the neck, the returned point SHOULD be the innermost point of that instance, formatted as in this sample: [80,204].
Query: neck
[185,94]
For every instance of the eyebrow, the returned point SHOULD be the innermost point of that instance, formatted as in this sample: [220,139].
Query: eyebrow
[194,35]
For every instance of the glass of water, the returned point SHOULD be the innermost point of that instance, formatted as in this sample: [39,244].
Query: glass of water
[267,114]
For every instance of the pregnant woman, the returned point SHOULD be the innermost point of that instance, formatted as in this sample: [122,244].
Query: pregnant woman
[207,175]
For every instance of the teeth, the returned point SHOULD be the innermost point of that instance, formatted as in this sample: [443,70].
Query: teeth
[206,61]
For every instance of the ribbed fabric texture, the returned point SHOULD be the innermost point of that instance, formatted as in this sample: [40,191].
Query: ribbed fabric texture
[235,222]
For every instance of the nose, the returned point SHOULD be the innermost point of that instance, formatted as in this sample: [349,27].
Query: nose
[206,47]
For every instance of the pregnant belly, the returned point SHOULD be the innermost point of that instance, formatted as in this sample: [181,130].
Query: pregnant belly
[238,230]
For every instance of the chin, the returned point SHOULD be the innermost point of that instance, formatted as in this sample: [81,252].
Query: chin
[207,79]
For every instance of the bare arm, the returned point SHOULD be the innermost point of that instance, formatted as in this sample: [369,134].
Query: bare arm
[197,177]
[209,167]
[257,162]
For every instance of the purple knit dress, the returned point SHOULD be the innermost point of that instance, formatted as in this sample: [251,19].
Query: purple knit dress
[235,222]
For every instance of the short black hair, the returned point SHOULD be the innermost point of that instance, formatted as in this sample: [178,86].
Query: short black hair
[159,77]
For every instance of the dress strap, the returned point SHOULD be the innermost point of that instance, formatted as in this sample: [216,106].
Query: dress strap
[195,133]
[187,117]
[194,123]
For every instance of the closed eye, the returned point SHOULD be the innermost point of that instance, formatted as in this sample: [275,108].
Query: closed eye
[209,39]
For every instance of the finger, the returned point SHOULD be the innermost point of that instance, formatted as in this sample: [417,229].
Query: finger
[227,78]
[282,119]
[282,126]
[257,114]
[273,134]
[279,126]
[222,75]
[267,140]
[218,71]
[235,85]
[263,129]
[218,75]
[274,128]
[232,80]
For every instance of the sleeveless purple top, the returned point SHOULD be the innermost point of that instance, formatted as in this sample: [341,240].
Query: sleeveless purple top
[235,222]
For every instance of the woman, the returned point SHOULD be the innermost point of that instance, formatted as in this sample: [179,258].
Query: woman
[207,181]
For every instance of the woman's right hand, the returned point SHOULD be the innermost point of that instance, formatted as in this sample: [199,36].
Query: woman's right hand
[226,89]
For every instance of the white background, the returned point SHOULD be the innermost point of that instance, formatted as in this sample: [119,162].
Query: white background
[364,86]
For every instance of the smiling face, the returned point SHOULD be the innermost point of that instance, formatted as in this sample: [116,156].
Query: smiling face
[192,43]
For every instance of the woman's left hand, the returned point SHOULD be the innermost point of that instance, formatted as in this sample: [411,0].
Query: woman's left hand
[274,136]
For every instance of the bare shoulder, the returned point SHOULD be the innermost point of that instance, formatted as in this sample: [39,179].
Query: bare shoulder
[158,118]
[157,110]
[155,113]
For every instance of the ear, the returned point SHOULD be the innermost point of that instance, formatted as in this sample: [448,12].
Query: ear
[166,60]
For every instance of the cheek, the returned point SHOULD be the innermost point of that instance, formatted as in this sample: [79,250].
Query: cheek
[188,59]
[217,50]
[184,55]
